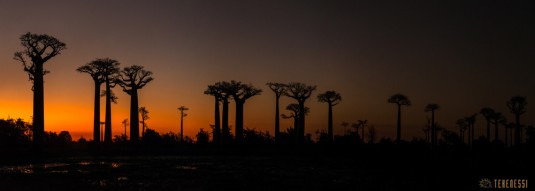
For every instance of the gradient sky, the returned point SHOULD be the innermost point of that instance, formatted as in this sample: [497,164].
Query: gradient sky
[461,55]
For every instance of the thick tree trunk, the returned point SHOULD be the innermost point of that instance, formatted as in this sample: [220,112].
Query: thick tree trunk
[96,113]
[433,129]
[277,120]
[301,121]
[225,128]
[217,129]
[107,125]
[134,116]
[330,125]
[398,135]
[296,127]
[517,131]
[496,131]
[38,107]
[488,130]
[239,121]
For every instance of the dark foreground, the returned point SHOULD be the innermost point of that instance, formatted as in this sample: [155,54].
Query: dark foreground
[389,170]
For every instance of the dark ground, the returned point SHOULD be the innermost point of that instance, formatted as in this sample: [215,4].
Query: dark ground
[315,169]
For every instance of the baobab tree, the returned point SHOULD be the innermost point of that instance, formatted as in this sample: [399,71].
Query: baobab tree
[497,119]
[300,92]
[488,113]
[144,116]
[182,109]
[109,70]
[224,90]
[332,98]
[517,106]
[38,49]
[461,123]
[131,79]
[95,70]
[470,122]
[432,107]
[357,127]
[362,124]
[125,123]
[214,90]
[240,93]
[296,112]
[399,100]
[278,89]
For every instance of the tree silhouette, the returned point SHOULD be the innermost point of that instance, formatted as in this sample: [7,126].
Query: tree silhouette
[109,69]
[132,79]
[300,92]
[432,108]
[399,100]
[38,49]
[345,125]
[240,93]
[470,121]
[95,70]
[371,134]
[488,113]
[215,91]
[278,89]
[517,106]
[182,115]
[362,124]
[357,127]
[224,90]
[125,123]
[461,123]
[296,112]
[332,98]
[144,116]
[496,119]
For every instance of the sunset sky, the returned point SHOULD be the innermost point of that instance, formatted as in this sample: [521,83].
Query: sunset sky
[460,55]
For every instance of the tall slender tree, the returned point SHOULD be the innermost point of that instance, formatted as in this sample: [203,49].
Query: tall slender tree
[432,107]
[399,100]
[125,123]
[240,93]
[224,89]
[497,118]
[38,49]
[182,110]
[362,124]
[95,70]
[144,116]
[470,121]
[488,113]
[300,92]
[131,79]
[214,90]
[109,72]
[332,98]
[517,106]
[278,89]
[461,123]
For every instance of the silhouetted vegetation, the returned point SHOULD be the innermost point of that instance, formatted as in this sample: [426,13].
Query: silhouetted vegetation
[131,79]
[300,92]
[432,108]
[332,98]
[399,100]
[240,93]
[517,106]
[38,49]
[182,109]
[279,89]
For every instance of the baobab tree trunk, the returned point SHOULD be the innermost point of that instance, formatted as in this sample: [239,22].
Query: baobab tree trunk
[330,125]
[496,131]
[506,136]
[107,125]
[398,136]
[277,120]
[301,121]
[225,129]
[134,116]
[517,131]
[96,113]
[239,121]
[433,129]
[38,107]
[217,129]
[488,130]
